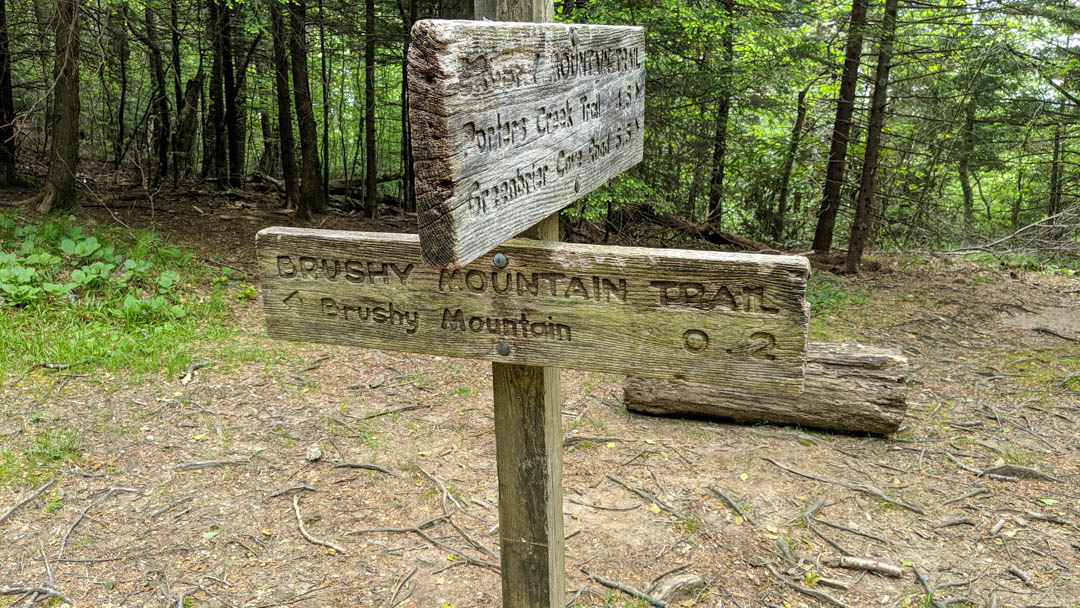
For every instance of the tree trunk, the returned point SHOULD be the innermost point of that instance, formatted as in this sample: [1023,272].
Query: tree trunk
[234,124]
[216,164]
[7,106]
[186,125]
[161,95]
[270,161]
[119,49]
[789,164]
[369,107]
[408,19]
[860,224]
[178,91]
[325,177]
[967,150]
[284,108]
[311,198]
[848,388]
[723,113]
[845,106]
[1054,200]
[58,191]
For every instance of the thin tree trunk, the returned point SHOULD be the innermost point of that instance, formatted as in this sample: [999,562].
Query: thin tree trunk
[216,163]
[845,106]
[967,145]
[58,191]
[723,113]
[186,126]
[408,19]
[44,21]
[284,108]
[7,106]
[161,95]
[1054,202]
[325,104]
[233,120]
[369,107]
[118,34]
[178,90]
[311,198]
[789,164]
[860,225]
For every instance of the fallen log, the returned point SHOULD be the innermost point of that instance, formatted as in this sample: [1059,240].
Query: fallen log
[849,387]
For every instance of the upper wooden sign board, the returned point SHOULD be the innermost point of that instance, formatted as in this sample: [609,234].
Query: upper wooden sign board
[726,319]
[513,121]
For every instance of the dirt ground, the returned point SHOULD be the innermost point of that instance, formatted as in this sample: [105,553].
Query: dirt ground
[190,494]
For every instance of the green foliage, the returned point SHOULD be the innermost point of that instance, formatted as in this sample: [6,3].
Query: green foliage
[122,300]
[26,464]
[827,293]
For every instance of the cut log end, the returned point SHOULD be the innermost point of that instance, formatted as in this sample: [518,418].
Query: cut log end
[849,387]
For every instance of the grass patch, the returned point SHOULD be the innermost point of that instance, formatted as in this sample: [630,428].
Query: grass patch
[828,296]
[29,463]
[120,300]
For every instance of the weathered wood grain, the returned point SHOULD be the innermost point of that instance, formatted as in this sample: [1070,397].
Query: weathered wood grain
[513,121]
[849,387]
[736,320]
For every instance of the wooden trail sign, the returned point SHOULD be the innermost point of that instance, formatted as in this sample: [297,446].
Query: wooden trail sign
[511,122]
[734,320]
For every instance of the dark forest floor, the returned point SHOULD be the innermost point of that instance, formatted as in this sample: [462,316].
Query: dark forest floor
[996,371]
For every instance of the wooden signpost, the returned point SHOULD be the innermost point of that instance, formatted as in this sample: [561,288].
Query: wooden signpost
[725,319]
[511,122]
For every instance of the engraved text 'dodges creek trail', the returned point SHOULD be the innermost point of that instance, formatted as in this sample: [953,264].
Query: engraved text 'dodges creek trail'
[726,319]
[513,121]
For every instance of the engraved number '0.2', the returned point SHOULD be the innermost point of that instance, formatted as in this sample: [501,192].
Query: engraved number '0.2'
[761,344]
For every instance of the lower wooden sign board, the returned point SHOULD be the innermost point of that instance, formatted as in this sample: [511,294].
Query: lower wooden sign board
[726,319]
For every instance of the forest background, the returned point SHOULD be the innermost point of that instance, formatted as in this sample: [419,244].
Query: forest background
[914,125]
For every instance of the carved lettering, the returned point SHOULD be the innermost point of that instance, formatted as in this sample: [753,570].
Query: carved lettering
[521,327]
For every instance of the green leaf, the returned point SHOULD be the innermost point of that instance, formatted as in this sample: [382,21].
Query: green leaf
[210,534]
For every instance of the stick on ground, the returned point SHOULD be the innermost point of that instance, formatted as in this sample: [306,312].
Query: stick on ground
[29,498]
[304,532]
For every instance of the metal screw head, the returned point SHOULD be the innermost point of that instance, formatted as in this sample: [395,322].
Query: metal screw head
[502,348]
[499,260]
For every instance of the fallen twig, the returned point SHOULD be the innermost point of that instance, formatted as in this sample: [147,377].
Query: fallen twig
[207,464]
[858,487]
[810,511]
[814,593]
[32,496]
[398,587]
[42,592]
[369,467]
[1017,471]
[169,506]
[285,491]
[110,492]
[856,563]
[625,589]
[1020,574]
[734,505]
[642,493]
[304,532]
[396,410]
[979,491]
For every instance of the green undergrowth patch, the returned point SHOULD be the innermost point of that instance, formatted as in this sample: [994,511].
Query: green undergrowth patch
[36,457]
[121,300]
[829,296]
[1049,369]
[1060,265]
